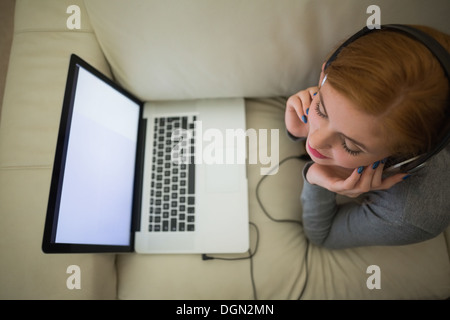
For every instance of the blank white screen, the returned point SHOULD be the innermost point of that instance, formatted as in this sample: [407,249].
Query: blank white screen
[97,193]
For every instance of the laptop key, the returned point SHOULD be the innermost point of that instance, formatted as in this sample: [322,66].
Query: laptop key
[173,224]
[191,178]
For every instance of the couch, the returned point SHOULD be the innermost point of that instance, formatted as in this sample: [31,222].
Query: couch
[260,50]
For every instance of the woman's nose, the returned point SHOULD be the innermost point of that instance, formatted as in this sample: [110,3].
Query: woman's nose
[321,138]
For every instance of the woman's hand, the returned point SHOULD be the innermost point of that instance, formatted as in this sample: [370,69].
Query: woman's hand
[297,108]
[352,183]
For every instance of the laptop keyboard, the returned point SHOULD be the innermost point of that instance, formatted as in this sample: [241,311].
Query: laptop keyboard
[172,193]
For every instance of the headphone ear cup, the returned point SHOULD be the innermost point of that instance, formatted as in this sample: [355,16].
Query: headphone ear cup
[411,165]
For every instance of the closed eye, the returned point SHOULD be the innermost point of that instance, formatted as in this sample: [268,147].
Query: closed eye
[321,112]
[350,151]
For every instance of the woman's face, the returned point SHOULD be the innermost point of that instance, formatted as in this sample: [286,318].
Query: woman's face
[340,134]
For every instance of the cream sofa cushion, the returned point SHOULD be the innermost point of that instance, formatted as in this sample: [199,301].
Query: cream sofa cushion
[29,126]
[285,265]
[164,50]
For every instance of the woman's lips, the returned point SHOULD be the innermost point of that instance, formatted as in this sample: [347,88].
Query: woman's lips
[316,153]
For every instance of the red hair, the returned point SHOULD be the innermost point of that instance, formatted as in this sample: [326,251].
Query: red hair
[396,78]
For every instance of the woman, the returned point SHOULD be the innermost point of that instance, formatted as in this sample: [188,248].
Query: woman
[383,98]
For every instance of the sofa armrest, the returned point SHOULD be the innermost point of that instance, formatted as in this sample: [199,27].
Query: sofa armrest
[31,110]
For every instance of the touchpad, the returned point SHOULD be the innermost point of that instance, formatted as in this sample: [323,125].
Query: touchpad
[222,178]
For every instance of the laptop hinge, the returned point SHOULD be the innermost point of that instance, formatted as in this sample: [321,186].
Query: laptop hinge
[140,157]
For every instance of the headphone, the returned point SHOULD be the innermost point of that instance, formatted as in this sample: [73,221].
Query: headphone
[443,56]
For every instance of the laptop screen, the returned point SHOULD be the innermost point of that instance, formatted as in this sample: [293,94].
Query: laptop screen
[92,203]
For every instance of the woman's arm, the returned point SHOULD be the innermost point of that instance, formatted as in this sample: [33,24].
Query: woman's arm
[385,217]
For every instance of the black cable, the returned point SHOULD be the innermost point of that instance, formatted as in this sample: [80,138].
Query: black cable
[206,257]
[304,157]
[250,256]
[301,158]
[252,276]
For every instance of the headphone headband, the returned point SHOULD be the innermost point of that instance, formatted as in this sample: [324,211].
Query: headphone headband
[441,54]
[432,44]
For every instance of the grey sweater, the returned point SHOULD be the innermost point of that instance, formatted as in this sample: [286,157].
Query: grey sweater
[413,210]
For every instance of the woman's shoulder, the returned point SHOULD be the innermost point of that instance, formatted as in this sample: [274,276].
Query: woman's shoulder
[427,201]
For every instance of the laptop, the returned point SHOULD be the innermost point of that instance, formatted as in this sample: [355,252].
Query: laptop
[153,177]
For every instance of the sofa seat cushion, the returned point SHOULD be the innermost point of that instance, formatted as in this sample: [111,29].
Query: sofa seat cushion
[285,265]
